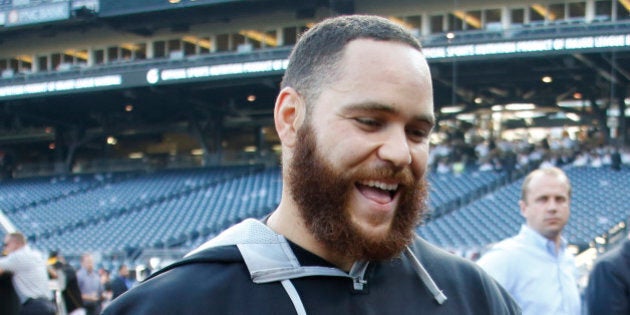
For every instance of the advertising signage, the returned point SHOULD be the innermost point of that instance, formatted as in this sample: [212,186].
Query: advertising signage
[40,13]
[83,81]
[153,76]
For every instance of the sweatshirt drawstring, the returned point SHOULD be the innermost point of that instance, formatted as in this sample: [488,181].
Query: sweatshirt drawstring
[438,295]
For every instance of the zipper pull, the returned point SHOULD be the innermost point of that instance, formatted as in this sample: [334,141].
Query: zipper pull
[358,283]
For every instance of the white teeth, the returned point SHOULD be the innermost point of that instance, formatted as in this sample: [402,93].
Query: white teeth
[380,185]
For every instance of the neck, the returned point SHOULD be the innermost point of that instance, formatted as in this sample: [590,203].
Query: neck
[286,220]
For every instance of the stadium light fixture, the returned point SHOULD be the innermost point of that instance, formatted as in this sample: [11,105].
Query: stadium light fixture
[577,95]
[129,108]
[260,37]
[451,109]
[400,22]
[174,1]
[25,58]
[136,155]
[251,98]
[573,116]
[450,35]
[112,140]
[51,146]
[469,19]
[478,100]
[201,42]
[520,106]
[547,79]
[528,114]
[543,11]
[81,54]
[196,152]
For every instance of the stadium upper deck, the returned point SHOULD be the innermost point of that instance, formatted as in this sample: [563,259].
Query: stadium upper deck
[155,78]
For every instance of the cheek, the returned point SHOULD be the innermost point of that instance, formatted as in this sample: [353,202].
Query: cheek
[420,158]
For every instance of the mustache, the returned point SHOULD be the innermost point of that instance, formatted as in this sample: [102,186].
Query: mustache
[403,177]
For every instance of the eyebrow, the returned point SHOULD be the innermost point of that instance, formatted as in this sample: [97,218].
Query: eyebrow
[378,107]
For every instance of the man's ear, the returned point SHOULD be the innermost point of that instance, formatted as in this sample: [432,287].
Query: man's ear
[289,115]
[523,207]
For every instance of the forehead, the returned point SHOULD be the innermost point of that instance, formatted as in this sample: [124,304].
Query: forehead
[382,72]
[548,184]
[391,58]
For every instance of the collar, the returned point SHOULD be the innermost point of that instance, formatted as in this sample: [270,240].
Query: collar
[534,238]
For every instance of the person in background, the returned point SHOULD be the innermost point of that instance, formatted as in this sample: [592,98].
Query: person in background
[535,266]
[121,283]
[106,283]
[608,290]
[90,285]
[354,116]
[9,301]
[71,293]
[30,276]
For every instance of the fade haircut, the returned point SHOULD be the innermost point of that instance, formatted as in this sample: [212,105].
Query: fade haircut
[315,58]
[552,171]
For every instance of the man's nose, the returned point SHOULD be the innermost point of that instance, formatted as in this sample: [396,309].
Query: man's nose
[395,148]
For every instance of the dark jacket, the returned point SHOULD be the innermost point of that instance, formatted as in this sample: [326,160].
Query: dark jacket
[265,274]
[118,286]
[608,290]
[9,301]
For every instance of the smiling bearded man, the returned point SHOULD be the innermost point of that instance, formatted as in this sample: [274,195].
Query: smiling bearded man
[322,193]
[354,116]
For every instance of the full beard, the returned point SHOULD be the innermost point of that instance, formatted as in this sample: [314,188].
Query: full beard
[322,195]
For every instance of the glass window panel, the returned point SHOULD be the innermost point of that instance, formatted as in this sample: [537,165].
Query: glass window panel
[223,42]
[174,45]
[112,53]
[26,65]
[437,23]
[289,36]
[82,56]
[126,54]
[536,13]
[414,21]
[603,10]
[205,44]
[623,11]
[556,12]
[55,60]
[14,64]
[159,49]
[189,49]
[577,10]
[141,51]
[455,23]
[493,16]
[99,57]
[517,16]
[271,38]
[42,63]
[68,58]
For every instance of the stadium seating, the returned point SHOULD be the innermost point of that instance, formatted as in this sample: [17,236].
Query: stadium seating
[598,202]
[180,209]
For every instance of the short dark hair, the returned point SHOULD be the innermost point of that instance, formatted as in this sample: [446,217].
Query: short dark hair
[314,59]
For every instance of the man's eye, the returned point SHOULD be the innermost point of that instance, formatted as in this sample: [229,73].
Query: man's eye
[417,134]
[368,121]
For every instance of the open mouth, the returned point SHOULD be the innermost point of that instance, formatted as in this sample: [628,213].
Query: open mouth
[378,191]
